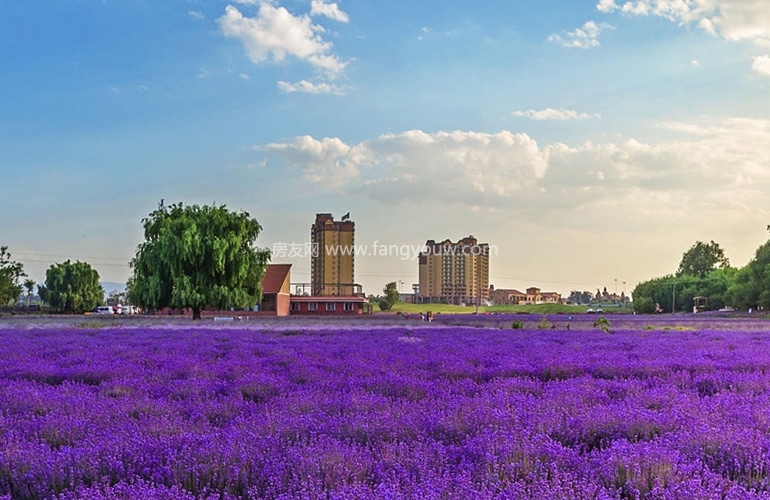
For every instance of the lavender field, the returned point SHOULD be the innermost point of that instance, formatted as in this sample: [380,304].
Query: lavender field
[357,410]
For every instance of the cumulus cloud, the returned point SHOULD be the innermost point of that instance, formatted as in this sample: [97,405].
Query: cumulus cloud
[585,37]
[761,65]
[328,161]
[330,10]
[276,33]
[554,114]
[724,166]
[733,19]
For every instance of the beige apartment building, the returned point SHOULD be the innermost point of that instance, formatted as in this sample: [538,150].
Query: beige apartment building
[333,259]
[457,273]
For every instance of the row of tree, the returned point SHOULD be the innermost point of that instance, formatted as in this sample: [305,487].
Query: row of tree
[706,278]
[69,287]
[193,257]
[586,297]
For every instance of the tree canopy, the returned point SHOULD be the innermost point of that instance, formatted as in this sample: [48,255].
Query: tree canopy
[704,271]
[391,296]
[72,287]
[751,288]
[196,257]
[701,259]
[10,274]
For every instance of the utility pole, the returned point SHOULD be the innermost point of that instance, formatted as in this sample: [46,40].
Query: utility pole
[673,301]
[625,299]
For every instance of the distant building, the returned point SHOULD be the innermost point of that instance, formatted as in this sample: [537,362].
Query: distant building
[333,259]
[457,273]
[535,296]
[506,296]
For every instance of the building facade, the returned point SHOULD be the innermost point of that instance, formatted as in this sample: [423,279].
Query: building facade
[506,296]
[330,306]
[333,259]
[456,273]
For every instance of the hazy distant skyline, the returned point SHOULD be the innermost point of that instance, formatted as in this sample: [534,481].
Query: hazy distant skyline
[593,142]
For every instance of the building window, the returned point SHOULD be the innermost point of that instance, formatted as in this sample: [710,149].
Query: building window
[312,306]
[295,306]
[331,306]
[348,306]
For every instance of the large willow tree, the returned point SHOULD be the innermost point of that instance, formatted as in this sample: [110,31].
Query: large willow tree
[196,257]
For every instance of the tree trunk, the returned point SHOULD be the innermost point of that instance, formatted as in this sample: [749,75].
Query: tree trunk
[196,313]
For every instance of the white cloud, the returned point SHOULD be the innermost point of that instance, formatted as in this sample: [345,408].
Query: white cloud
[196,14]
[330,10]
[721,168]
[761,65]
[733,19]
[554,114]
[606,6]
[328,161]
[276,33]
[307,87]
[585,37]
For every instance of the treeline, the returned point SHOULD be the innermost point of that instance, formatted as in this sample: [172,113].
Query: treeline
[193,257]
[706,279]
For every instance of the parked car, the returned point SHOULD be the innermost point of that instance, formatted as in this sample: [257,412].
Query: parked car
[127,310]
[104,310]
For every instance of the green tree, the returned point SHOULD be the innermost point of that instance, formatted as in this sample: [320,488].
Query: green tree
[29,286]
[10,274]
[701,259]
[116,297]
[752,283]
[198,256]
[660,291]
[72,287]
[390,298]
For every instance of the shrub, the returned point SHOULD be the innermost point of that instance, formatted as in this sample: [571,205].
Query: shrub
[603,324]
[517,325]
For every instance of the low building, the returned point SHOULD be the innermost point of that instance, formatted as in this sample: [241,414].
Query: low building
[535,296]
[276,297]
[319,305]
[506,296]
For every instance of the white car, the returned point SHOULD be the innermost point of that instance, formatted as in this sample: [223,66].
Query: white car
[104,310]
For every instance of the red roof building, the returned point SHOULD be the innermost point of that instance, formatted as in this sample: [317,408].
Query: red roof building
[276,296]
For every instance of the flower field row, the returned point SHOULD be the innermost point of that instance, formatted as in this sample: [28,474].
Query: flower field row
[391,412]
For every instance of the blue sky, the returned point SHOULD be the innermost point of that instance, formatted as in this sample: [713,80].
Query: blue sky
[592,142]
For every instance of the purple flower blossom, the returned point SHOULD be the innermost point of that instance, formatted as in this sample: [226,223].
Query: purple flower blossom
[394,410]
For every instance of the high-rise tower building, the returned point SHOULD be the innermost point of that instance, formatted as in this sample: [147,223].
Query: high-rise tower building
[332,261]
[457,273]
